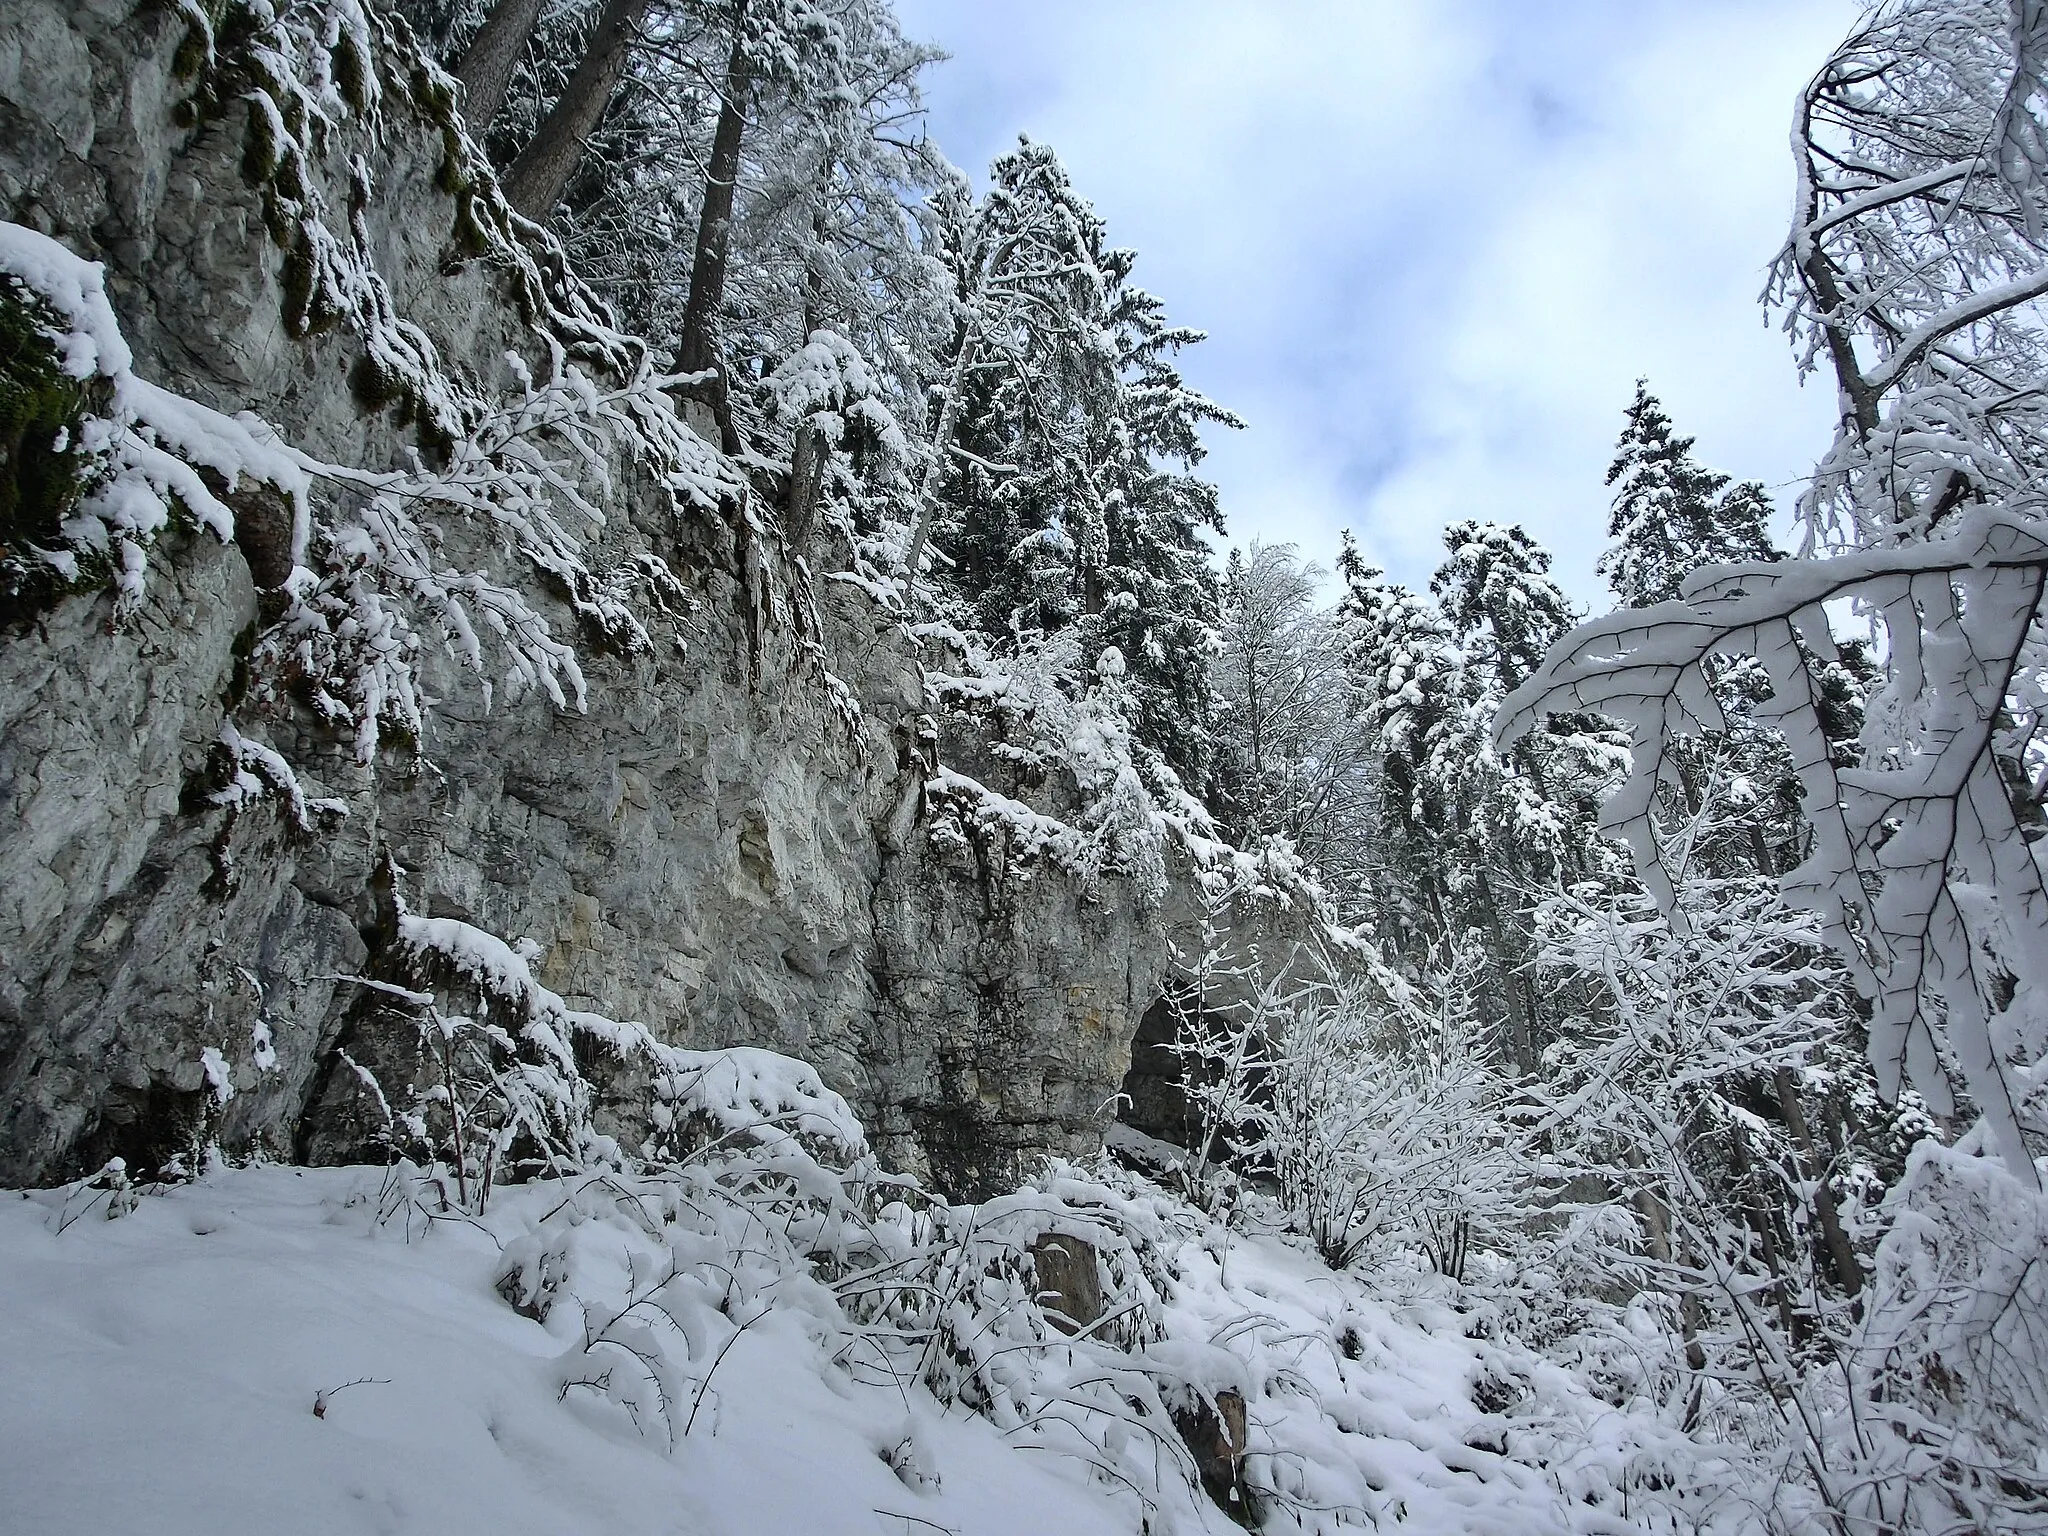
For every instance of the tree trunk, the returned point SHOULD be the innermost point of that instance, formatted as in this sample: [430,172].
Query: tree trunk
[1523,1034]
[808,460]
[1841,1253]
[1766,1235]
[1657,1231]
[535,182]
[699,349]
[814,268]
[492,59]
[942,444]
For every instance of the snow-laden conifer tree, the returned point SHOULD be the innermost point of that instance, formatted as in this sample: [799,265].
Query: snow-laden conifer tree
[1058,492]
[1671,514]
[1467,835]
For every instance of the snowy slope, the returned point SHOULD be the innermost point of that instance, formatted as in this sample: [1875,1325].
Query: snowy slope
[164,1369]
[162,1372]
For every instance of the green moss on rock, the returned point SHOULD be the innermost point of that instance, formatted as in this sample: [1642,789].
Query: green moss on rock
[44,470]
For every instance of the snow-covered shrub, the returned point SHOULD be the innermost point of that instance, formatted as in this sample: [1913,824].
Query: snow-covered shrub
[110,1193]
[1934,1415]
[1733,1261]
[493,1091]
[1373,1105]
[765,1209]
[1384,1122]
[662,1270]
[1111,1393]
[1228,1006]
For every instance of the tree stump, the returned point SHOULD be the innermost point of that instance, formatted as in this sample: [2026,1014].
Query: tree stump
[1069,1281]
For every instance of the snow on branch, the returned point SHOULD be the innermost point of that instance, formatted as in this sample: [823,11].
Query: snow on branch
[1919,868]
[326,83]
[368,569]
[531,462]
[1915,263]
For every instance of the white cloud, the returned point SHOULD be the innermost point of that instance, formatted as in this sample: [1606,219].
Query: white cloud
[1434,243]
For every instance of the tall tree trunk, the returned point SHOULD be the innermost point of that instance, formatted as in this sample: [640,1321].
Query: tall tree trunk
[814,267]
[535,182]
[1649,1203]
[1523,1034]
[809,457]
[1766,1234]
[942,444]
[493,57]
[698,349]
[956,392]
[1840,1251]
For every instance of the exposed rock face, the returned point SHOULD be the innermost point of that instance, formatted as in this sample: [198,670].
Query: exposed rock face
[707,848]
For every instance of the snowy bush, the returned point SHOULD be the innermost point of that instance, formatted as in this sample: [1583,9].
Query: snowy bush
[1934,1416]
[1384,1122]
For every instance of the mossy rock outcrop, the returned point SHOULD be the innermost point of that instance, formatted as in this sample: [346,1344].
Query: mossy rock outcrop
[44,466]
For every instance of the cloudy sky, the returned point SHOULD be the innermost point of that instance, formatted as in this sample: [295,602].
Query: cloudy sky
[1433,241]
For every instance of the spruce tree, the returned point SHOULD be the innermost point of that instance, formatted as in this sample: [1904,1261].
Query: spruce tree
[1671,515]
[1066,493]
[1496,588]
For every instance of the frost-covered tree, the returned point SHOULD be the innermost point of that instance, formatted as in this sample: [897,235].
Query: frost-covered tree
[1408,671]
[1059,490]
[833,223]
[1496,590]
[1290,750]
[1671,515]
[758,171]
[1912,272]
[1682,1093]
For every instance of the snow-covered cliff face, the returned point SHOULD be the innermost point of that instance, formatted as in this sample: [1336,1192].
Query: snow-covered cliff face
[714,845]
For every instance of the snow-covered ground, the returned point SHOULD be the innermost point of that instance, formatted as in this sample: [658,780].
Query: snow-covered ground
[163,1373]
[276,1349]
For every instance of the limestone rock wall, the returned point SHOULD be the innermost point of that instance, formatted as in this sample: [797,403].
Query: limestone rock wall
[707,848]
